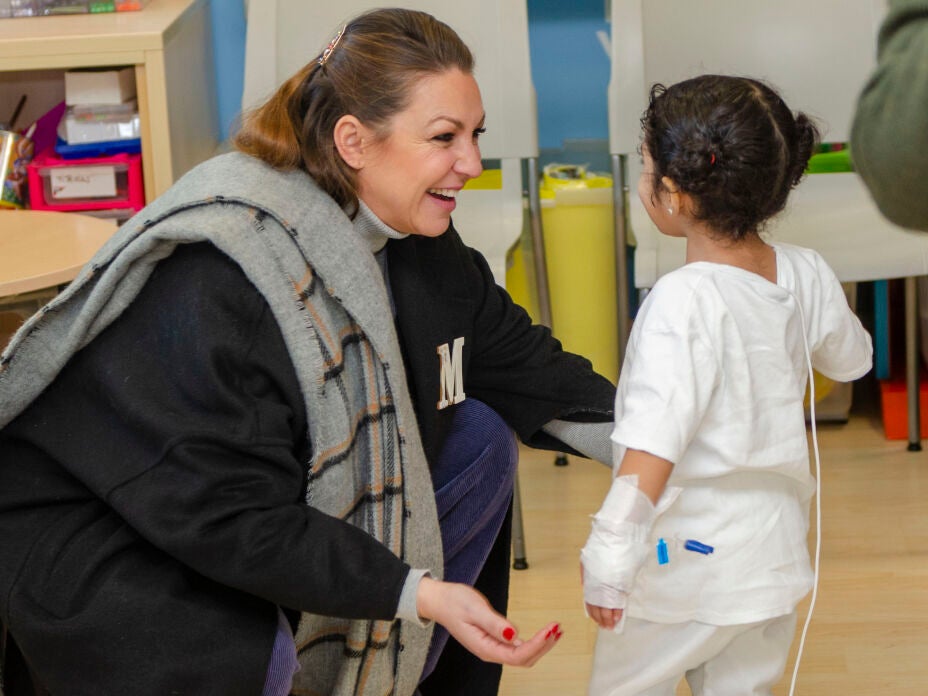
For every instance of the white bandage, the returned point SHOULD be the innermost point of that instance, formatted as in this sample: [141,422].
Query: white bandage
[618,544]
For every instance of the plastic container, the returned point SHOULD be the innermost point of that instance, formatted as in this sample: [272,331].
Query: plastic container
[830,162]
[86,184]
[895,407]
[15,154]
[103,149]
[59,7]
[101,123]
[29,8]
[576,212]
[21,8]
[521,283]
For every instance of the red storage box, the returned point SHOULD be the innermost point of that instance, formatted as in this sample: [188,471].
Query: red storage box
[96,183]
[895,403]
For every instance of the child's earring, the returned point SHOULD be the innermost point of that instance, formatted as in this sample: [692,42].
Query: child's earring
[670,211]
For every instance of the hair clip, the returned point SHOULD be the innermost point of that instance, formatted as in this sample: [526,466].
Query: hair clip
[331,47]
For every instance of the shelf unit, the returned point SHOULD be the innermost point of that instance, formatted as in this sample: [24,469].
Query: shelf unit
[168,43]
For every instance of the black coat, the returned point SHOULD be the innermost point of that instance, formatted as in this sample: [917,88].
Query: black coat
[443,290]
[100,606]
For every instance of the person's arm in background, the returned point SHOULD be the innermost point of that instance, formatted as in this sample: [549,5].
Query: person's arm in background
[889,136]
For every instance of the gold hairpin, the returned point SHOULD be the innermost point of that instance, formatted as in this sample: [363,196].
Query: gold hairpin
[331,47]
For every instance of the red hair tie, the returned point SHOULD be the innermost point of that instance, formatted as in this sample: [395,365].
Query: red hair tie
[711,158]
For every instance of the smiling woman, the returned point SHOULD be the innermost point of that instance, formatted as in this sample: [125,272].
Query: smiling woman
[434,140]
[313,468]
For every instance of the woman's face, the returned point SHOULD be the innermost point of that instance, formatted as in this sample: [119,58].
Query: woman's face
[410,178]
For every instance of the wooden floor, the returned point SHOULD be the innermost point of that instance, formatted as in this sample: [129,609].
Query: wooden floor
[869,631]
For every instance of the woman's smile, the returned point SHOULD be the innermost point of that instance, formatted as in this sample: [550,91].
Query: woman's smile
[411,177]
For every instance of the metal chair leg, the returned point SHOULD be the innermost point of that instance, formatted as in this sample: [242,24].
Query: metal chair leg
[911,364]
[519,561]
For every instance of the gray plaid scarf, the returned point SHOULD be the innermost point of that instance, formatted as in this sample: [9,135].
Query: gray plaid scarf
[327,295]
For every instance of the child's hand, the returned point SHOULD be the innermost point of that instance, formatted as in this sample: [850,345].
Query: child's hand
[595,594]
[606,618]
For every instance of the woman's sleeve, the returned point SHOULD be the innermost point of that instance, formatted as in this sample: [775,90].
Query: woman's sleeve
[186,417]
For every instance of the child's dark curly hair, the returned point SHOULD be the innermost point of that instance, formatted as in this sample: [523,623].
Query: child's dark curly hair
[731,144]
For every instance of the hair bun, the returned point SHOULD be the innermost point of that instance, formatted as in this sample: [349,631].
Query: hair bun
[807,136]
[696,161]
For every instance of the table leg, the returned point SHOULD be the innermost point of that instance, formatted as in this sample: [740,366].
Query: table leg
[911,364]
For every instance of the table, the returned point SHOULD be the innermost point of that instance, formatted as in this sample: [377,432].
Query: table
[42,250]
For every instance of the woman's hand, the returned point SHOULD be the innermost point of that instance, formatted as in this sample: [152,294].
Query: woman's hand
[469,617]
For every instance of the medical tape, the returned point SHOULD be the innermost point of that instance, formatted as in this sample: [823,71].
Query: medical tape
[618,543]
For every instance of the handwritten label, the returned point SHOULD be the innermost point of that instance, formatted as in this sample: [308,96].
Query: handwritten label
[83,182]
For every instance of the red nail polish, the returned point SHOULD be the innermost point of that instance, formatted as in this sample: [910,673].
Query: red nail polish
[557,636]
[509,634]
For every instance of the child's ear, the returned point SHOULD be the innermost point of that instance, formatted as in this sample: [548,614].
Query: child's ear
[676,198]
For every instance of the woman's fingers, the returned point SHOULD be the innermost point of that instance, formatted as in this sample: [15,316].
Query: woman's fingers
[469,617]
[532,650]
[518,653]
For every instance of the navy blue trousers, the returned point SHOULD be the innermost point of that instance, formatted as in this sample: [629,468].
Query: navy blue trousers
[473,480]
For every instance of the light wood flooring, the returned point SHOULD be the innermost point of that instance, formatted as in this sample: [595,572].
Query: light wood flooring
[869,631]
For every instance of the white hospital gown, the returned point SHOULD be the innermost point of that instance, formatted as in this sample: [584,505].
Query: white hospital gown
[713,381]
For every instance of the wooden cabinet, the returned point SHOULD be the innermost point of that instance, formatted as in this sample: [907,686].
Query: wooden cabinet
[168,43]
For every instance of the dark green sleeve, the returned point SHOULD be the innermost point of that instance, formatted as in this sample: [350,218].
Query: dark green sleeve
[889,136]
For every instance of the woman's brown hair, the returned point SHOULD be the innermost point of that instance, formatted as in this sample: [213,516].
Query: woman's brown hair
[368,73]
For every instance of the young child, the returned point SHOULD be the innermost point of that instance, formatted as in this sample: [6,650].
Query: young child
[698,556]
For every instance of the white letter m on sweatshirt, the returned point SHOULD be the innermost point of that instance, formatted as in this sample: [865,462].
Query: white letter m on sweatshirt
[450,378]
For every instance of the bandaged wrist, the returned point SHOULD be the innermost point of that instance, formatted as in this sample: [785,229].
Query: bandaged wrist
[618,544]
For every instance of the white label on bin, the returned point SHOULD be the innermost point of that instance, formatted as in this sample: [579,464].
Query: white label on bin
[83,182]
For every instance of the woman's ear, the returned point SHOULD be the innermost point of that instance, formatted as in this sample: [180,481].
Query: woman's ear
[349,134]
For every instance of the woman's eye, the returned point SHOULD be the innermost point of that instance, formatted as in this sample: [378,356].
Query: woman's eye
[444,137]
[479,132]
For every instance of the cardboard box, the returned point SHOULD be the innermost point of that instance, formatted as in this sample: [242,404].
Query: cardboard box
[95,86]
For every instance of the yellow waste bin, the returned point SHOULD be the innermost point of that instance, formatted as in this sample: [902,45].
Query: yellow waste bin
[521,283]
[576,213]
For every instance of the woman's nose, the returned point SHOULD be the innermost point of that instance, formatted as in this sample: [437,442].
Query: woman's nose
[469,162]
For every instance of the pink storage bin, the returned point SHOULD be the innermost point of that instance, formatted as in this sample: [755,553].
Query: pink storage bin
[95,183]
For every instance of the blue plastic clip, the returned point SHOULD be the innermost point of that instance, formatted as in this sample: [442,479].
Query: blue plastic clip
[698,547]
[662,556]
